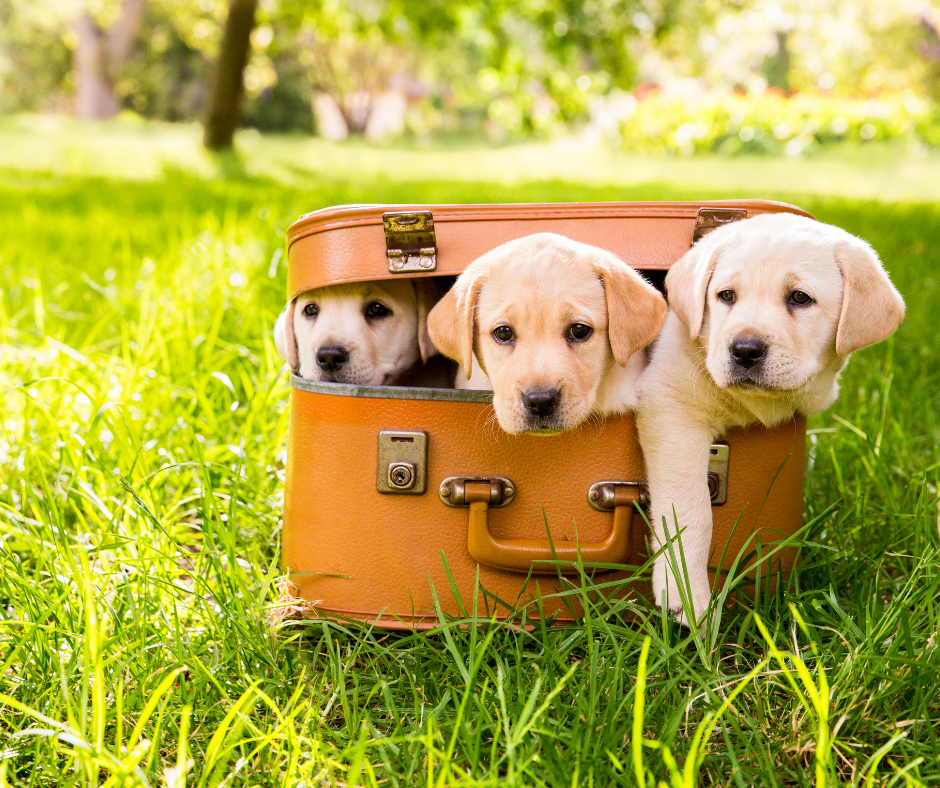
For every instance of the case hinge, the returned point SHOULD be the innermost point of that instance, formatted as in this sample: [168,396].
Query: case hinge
[410,241]
[712,218]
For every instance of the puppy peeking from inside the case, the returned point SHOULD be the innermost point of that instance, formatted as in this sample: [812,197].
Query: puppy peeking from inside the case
[763,315]
[553,326]
[365,333]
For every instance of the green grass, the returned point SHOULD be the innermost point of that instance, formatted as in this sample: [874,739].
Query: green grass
[142,461]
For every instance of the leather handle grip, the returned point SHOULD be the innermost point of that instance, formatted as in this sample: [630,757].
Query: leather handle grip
[521,555]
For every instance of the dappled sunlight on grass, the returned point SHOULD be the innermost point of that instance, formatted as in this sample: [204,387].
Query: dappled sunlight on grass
[131,148]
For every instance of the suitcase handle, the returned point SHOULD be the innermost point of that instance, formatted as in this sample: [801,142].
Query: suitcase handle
[521,555]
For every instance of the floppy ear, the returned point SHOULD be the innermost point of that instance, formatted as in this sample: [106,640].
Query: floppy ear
[284,339]
[636,311]
[687,282]
[872,308]
[450,323]
[427,294]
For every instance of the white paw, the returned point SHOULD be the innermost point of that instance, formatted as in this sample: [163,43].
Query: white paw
[695,589]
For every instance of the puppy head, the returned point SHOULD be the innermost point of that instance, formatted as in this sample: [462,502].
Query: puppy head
[546,317]
[367,332]
[780,297]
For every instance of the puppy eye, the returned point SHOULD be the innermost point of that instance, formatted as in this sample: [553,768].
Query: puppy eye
[727,296]
[799,298]
[375,309]
[579,332]
[311,310]
[503,334]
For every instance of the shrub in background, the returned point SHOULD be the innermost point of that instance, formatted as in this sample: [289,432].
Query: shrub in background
[769,123]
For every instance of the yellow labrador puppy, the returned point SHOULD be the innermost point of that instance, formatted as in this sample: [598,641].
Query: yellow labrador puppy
[763,316]
[555,325]
[370,333]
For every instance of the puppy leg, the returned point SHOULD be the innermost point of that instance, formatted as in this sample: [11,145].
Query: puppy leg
[675,449]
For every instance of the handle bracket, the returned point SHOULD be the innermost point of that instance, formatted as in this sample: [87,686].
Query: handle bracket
[607,496]
[453,490]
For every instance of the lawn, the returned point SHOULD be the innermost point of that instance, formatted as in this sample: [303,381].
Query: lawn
[142,461]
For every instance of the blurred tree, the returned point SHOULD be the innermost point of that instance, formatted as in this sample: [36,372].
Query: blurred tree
[776,68]
[35,60]
[928,46]
[228,87]
[99,55]
[512,67]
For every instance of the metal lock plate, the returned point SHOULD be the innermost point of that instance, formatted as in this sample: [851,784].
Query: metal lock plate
[410,241]
[711,218]
[402,466]
[718,457]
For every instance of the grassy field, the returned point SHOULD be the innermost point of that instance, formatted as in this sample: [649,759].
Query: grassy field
[141,475]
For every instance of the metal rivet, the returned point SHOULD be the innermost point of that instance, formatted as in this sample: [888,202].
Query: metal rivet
[594,494]
[445,490]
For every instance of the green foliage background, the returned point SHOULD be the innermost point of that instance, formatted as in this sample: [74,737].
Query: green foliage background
[510,68]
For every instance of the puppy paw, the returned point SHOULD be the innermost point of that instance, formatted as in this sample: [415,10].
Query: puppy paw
[696,590]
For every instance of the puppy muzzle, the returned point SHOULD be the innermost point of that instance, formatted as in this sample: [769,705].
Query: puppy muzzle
[331,358]
[747,361]
[542,409]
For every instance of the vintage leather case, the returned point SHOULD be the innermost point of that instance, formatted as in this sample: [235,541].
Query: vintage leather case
[393,494]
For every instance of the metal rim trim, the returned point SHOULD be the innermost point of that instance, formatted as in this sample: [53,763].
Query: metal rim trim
[389,392]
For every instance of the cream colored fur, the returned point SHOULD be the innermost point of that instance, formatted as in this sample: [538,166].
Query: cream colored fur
[380,349]
[693,390]
[539,286]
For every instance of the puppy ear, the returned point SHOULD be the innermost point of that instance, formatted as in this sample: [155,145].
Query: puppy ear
[427,294]
[450,322]
[872,308]
[636,311]
[284,338]
[687,282]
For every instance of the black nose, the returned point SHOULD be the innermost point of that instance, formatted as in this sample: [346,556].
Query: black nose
[747,352]
[541,402]
[330,359]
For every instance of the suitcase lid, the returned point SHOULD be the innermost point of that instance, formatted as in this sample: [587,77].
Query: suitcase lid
[356,243]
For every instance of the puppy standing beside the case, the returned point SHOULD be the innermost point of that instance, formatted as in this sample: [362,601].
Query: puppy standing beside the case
[555,325]
[763,315]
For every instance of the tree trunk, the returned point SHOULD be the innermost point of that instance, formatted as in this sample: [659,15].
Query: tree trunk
[777,66]
[225,101]
[99,57]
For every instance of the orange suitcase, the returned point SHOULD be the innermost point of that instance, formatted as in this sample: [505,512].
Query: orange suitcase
[393,493]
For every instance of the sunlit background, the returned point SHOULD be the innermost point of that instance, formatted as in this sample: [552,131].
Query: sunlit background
[144,200]
[666,77]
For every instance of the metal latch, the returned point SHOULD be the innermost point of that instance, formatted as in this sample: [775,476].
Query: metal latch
[410,241]
[453,490]
[718,456]
[402,466]
[712,218]
[602,495]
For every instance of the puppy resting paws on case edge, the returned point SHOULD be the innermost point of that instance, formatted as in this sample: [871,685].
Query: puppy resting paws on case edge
[763,315]
[555,325]
[369,333]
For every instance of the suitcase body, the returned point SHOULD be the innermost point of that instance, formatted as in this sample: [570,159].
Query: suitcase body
[398,500]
